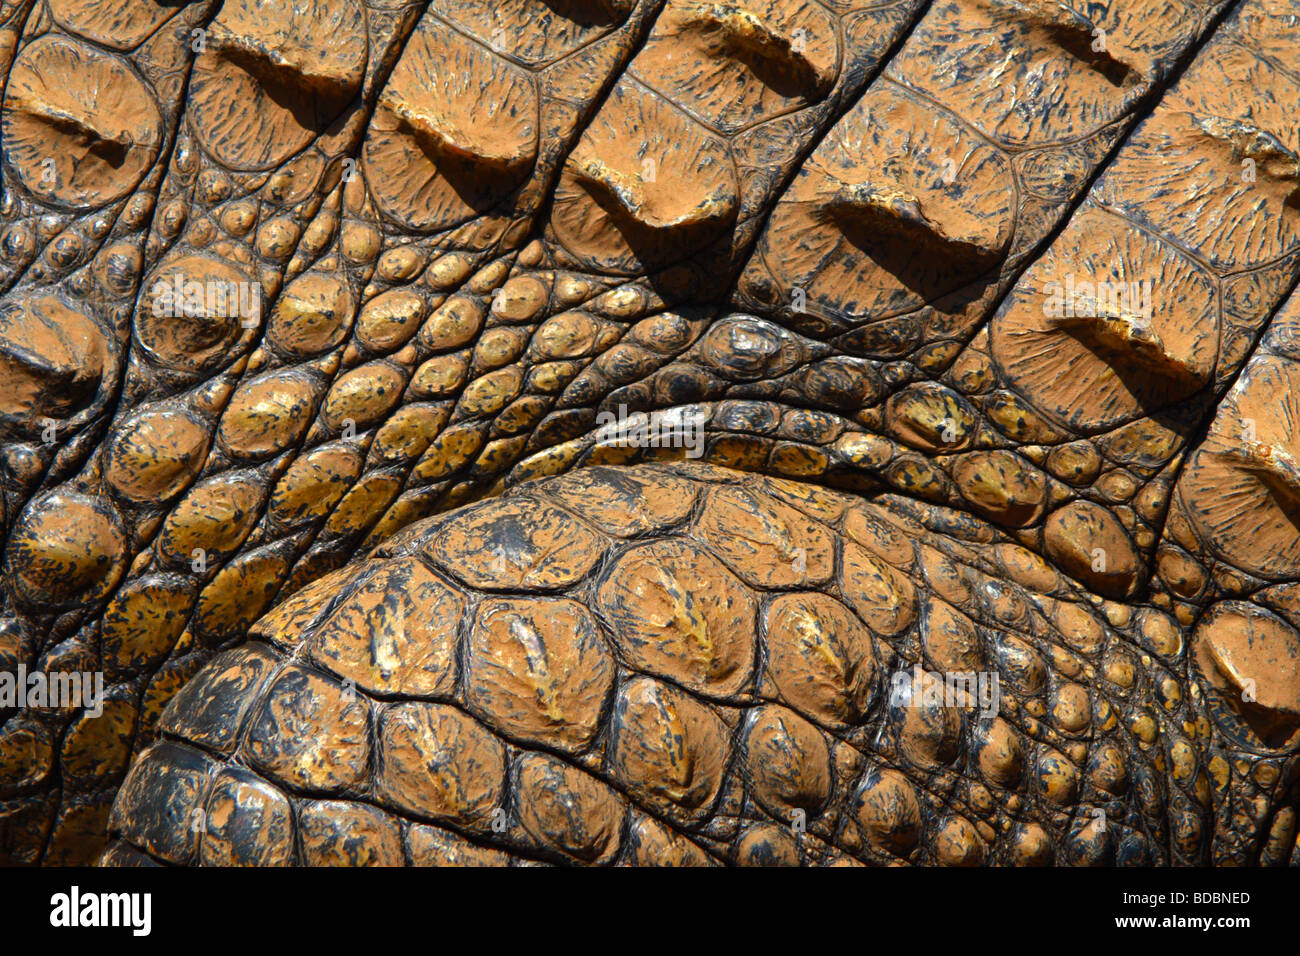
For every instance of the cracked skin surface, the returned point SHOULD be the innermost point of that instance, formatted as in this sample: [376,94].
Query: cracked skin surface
[367,582]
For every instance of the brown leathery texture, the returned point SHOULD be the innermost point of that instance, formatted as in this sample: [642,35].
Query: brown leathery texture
[558,718]
[836,241]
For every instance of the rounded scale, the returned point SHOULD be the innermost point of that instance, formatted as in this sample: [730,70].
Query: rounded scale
[66,546]
[820,657]
[155,452]
[788,762]
[120,26]
[80,127]
[53,359]
[194,312]
[1251,661]
[887,811]
[1091,545]
[567,810]
[668,749]
[268,413]
[311,315]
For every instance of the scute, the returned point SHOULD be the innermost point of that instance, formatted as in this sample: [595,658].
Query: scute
[80,127]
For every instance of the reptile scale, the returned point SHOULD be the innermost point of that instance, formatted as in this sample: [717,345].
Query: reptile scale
[822,432]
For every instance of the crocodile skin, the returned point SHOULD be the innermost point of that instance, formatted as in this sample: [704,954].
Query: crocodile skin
[842,241]
[682,664]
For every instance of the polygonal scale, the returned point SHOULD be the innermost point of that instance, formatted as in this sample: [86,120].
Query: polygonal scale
[274,77]
[1092,60]
[886,208]
[642,185]
[535,32]
[665,702]
[456,130]
[1108,324]
[1241,488]
[1234,199]
[733,64]
[121,26]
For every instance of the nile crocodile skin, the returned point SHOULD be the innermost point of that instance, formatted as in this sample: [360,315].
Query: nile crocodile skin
[844,239]
[683,664]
